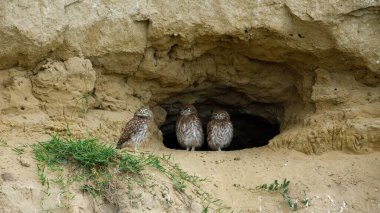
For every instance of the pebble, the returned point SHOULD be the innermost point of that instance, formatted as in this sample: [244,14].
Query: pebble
[6,176]
[196,207]
[23,162]
[219,161]
[149,202]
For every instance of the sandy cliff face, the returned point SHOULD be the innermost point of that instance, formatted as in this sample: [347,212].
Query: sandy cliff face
[313,67]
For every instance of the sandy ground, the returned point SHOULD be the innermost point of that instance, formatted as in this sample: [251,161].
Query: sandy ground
[334,181]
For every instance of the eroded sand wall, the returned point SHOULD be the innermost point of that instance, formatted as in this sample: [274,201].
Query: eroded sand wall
[313,66]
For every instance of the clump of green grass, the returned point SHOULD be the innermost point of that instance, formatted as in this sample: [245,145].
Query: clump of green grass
[85,153]
[135,164]
[283,189]
[88,160]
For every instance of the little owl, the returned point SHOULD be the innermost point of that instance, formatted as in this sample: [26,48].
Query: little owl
[219,130]
[189,128]
[134,132]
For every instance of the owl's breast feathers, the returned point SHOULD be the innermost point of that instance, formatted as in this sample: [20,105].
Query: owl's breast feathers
[188,121]
[223,123]
[135,125]
[189,131]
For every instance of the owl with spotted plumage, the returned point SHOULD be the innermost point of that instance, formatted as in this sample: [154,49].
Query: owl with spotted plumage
[189,128]
[219,130]
[135,131]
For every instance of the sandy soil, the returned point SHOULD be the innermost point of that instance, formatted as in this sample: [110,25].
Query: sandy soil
[334,182]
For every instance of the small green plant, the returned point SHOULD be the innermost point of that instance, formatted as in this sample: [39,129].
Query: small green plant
[41,175]
[3,142]
[84,99]
[19,150]
[275,186]
[283,189]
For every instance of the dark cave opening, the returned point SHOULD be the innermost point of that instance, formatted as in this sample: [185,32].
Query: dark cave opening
[249,130]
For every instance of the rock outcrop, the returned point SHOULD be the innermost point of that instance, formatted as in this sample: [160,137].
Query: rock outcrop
[313,67]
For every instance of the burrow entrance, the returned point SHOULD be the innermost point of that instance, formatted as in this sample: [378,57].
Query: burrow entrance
[249,130]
